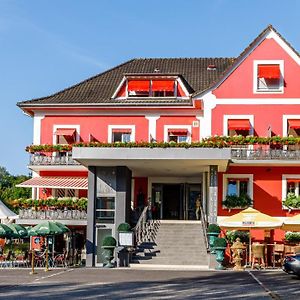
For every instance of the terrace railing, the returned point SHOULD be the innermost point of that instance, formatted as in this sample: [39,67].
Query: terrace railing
[264,154]
[53,214]
[38,159]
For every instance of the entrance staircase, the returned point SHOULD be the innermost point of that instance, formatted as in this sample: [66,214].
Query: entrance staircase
[172,245]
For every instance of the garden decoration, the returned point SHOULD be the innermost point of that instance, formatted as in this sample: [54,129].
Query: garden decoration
[213,232]
[237,249]
[220,245]
[109,244]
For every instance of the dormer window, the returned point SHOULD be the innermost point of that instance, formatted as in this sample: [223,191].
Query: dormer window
[268,76]
[151,88]
[138,88]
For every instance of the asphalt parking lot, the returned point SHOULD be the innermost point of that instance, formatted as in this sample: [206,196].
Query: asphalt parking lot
[147,284]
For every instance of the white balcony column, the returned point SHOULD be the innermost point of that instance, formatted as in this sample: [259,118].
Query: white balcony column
[37,124]
[152,126]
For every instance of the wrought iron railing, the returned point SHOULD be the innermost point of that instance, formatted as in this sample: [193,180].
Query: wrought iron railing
[264,154]
[141,229]
[53,214]
[37,159]
[204,227]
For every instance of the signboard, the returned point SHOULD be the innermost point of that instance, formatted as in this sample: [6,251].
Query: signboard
[248,223]
[126,239]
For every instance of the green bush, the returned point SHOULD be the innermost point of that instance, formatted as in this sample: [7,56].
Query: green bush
[109,241]
[234,201]
[232,235]
[213,228]
[124,227]
[292,236]
[220,243]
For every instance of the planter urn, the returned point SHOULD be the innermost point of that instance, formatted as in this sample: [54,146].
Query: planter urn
[219,251]
[211,239]
[108,253]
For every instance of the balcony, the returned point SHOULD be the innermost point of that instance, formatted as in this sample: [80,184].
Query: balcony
[55,159]
[265,154]
[66,216]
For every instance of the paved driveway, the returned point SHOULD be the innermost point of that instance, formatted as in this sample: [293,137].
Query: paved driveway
[146,284]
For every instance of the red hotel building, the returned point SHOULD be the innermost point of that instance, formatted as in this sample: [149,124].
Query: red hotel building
[179,100]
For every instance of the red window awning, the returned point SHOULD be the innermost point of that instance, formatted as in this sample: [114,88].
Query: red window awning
[239,124]
[293,180]
[65,131]
[163,85]
[78,183]
[295,124]
[177,131]
[139,85]
[269,71]
[121,130]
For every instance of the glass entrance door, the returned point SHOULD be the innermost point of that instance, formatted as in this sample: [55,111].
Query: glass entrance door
[193,200]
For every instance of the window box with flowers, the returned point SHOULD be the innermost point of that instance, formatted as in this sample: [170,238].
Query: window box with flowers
[291,202]
[237,191]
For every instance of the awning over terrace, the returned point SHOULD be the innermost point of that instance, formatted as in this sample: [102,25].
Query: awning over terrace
[80,183]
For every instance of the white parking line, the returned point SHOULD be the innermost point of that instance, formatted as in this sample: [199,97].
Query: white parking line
[53,274]
[270,293]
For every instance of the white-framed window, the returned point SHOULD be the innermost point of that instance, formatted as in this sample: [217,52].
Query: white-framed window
[291,125]
[237,184]
[177,133]
[238,125]
[121,133]
[268,76]
[290,184]
[66,134]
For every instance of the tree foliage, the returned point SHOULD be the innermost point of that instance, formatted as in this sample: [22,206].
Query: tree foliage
[8,189]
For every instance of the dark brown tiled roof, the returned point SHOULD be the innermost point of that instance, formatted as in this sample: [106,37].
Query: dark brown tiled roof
[100,88]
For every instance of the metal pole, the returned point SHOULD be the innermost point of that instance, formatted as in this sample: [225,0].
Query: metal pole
[47,260]
[32,263]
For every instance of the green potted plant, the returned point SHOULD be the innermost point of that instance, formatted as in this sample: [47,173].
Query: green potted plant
[213,232]
[235,201]
[220,245]
[108,244]
[292,237]
[232,235]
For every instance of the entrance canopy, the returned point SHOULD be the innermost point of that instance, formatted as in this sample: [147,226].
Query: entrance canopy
[155,161]
[80,183]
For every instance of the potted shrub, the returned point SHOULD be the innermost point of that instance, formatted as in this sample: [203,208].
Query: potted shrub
[108,244]
[220,245]
[232,235]
[292,237]
[213,232]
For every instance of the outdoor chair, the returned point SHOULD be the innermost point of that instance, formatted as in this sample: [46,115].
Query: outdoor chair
[21,260]
[39,260]
[258,254]
[289,250]
[278,254]
[60,260]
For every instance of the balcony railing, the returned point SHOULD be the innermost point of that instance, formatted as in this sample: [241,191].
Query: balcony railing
[55,214]
[38,159]
[264,154]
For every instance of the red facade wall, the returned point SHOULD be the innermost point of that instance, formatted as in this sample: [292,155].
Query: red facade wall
[267,189]
[176,120]
[95,125]
[264,116]
[240,83]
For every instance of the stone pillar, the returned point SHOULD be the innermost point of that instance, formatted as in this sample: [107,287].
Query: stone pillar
[90,230]
[213,194]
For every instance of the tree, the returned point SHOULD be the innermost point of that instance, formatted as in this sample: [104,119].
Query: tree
[8,189]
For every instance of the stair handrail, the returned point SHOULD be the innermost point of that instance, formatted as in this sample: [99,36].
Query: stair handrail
[140,227]
[204,227]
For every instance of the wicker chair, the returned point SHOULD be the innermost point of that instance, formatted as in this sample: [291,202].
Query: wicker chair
[258,254]
[278,254]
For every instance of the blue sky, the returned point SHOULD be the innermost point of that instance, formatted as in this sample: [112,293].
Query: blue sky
[48,45]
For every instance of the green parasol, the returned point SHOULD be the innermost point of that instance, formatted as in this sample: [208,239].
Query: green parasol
[63,227]
[5,231]
[19,231]
[47,228]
